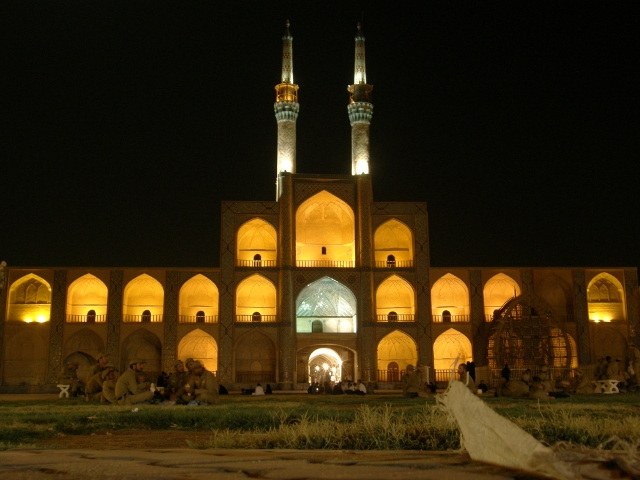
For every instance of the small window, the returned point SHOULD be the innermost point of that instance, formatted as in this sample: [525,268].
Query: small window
[392,317]
[256,317]
[146,316]
[257,260]
[316,326]
[91,316]
[200,317]
[324,250]
[391,261]
[446,316]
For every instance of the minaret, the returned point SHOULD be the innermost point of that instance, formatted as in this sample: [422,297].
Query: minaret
[360,111]
[286,108]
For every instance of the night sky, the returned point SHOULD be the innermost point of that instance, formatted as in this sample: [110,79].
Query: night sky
[126,123]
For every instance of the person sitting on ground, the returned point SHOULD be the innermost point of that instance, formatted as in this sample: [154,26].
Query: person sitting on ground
[337,389]
[348,389]
[613,372]
[188,363]
[222,390]
[143,385]
[268,390]
[582,383]
[466,378]
[598,370]
[605,368]
[127,388]
[483,387]
[202,386]
[177,381]
[109,386]
[537,391]
[327,387]
[69,376]
[362,390]
[546,380]
[259,390]
[103,361]
[515,388]
[163,380]
[93,390]
[431,388]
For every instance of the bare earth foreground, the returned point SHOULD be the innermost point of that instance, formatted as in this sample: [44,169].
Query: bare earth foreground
[231,464]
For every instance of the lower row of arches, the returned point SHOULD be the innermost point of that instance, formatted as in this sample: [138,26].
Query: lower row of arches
[255,355]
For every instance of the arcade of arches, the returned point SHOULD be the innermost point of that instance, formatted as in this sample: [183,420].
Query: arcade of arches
[325,232]
[257,242]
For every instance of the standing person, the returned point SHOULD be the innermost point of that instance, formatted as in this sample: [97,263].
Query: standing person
[202,386]
[465,377]
[127,387]
[506,373]
[103,361]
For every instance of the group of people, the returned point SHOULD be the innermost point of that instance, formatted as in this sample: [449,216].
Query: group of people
[539,387]
[339,388]
[189,383]
[415,382]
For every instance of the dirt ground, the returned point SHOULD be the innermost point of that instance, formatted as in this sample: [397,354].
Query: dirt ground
[125,439]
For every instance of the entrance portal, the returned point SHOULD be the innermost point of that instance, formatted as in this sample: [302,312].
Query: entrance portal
[325,365]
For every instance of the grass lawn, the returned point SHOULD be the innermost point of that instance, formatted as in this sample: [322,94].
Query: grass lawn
[314,421]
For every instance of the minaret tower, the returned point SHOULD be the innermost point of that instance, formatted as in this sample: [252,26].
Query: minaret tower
[286,108]
[360,111]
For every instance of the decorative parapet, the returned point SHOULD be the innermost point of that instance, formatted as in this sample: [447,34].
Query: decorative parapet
[286,111]
[360,112]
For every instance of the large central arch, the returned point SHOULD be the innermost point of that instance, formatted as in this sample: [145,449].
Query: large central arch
[526,332]
[325,365]
[326,306]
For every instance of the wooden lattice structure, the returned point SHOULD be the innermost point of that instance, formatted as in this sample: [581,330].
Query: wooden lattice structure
[527,332]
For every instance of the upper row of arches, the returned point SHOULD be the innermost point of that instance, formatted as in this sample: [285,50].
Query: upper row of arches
[325,237]
[256,299]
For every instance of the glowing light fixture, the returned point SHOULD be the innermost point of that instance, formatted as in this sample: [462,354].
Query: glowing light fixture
[325,366]
[41,319]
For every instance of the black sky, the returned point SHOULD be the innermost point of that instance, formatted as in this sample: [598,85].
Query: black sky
[126,123]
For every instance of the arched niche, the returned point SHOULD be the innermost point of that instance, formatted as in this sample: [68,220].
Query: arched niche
[605,297]
[200,346]
[198,300]
[256,294]
[395,351]
[448,346]
[324,223]
[610,342]
[85,294]
[450,294]
[257,244]
[497,291]
[85,341]
[255,356]
[26,357]
[29,300]
[325,364]
[328,301]
[143,298]
[146,346]
[557,293]
[393,238]
[395,296]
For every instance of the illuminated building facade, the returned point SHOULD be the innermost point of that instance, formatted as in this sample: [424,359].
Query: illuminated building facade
[323,283]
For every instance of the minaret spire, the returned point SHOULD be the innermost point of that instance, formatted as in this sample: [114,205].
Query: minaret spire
[360,110]
[286,109]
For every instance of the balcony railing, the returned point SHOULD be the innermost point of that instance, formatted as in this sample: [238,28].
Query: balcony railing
[197,319]
[390,375]
[450,318]
[86,318]
[402,317]
[256,318]
[564,318]
[394,264]
[325,263]
[256,263]
[255,377]
[126,318]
